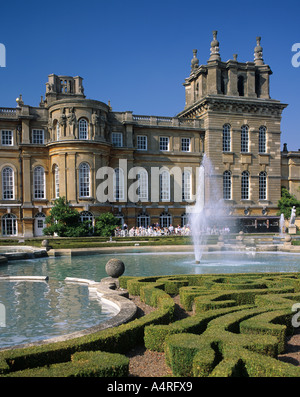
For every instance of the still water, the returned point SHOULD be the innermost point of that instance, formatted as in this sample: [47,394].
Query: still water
[41,310]
[156,263]
[36,311]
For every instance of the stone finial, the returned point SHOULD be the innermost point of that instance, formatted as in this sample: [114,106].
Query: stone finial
[258,52]
[20,101]
[194,61]
[115,268]
[235,57]
[42,102]
[214,48]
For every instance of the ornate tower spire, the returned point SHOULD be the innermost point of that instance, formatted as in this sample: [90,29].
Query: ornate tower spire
[194,61]
[214,48]
[258,52]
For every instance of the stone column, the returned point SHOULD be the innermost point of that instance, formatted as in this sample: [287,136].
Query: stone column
[27,183]
[62,123]
[129,136]
[232,78]
[25,131]
[71,178]
[264,72]
[212,77]
[250,83]
[94,125]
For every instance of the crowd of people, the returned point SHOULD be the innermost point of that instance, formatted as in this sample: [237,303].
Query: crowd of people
[152,231]
[157,230]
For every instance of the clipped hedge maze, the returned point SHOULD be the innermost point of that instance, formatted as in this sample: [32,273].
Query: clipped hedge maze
[238,327]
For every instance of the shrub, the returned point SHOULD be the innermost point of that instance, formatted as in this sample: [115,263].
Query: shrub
[286,203]
[64,221]
[237,330]
[82,364]
[106,224]
[155,335]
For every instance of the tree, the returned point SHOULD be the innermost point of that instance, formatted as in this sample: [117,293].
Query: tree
[64,221]
[106,224]
[286,203]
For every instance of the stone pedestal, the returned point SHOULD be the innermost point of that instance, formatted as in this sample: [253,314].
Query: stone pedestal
[221,241]
[287,242]
[292,229]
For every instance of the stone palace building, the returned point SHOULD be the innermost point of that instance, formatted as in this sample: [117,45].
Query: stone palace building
[144,168]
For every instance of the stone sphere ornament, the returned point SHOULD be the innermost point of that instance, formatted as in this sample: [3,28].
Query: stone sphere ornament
[115,268]
[45,244]
[288,238]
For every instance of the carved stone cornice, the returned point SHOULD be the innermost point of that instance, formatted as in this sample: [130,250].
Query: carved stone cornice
[234,105]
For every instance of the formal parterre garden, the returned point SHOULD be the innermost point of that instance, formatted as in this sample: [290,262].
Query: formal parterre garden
[239,326]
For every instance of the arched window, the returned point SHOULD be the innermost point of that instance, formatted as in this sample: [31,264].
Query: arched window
[164,188]
[143,220]
[84,180]
[39,223]
[184,220]
[165,219]
[186,185]
[7,183]
[227,185]
[142,190]
[245,186]
[83,129]
[118,181]
[87,216]
[120,219]
[262,185]
[226,138]
[245,139]
[39,183]
[57,131]
[56,181]
[262,147]
[224,81]
[241,84]
[9,225]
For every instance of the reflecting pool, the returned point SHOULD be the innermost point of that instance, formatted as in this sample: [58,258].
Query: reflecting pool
[156,263]
[35,311]
[40,310]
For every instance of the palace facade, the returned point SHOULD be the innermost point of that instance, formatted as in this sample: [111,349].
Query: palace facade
[144,168]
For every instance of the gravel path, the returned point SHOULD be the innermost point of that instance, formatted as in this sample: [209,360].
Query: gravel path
[146,363]
[292,351]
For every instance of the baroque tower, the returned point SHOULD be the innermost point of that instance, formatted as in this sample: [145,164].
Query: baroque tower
[242,129]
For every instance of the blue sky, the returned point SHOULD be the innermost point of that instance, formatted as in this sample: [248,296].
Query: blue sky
[137,53]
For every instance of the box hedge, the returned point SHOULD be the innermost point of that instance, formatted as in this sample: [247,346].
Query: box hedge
[82,364]
[239,325]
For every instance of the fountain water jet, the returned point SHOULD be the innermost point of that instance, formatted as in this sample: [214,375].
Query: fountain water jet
[208,212]
[282,225]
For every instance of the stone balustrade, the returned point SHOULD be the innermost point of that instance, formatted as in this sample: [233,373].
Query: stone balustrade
[8,112]
[128,117]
